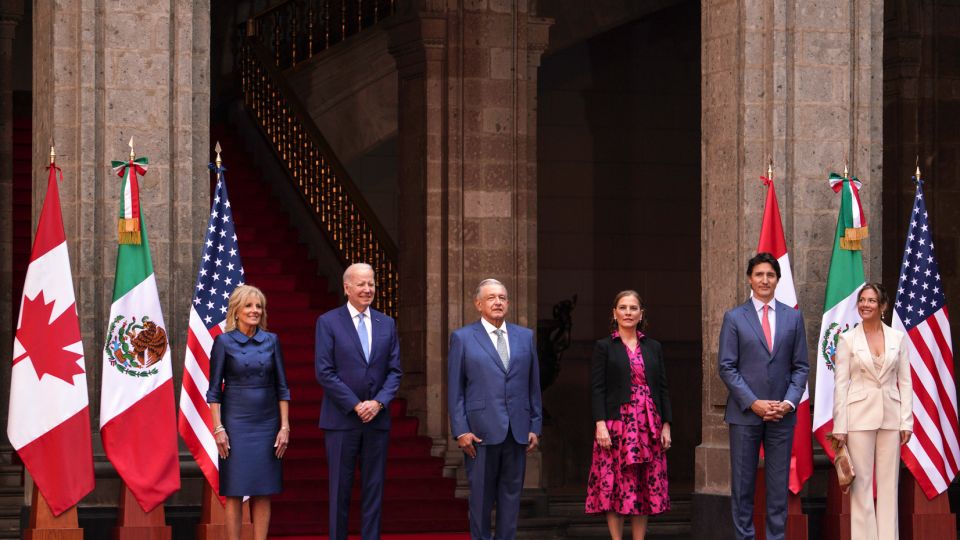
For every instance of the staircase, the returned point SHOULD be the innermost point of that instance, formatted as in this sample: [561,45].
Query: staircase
[417,496]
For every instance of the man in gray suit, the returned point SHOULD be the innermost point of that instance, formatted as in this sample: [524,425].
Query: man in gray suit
[763,362]
[493,392]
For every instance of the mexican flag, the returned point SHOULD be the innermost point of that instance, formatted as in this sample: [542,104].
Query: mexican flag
[137,413]
[773,241]
[844,280]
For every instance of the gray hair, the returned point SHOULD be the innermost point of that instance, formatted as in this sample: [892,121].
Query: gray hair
[353,268]
[489,281]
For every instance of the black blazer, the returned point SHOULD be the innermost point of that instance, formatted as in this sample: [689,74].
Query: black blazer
[610,378]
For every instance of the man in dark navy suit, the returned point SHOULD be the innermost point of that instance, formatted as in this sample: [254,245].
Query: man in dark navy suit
[357,362]
[493,393]
[763,362]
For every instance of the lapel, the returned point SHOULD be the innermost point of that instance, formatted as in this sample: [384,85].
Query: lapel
[347,322]
[514,344]
[891,346]
[480,333]
[753,321]
[376,320]
[780,312]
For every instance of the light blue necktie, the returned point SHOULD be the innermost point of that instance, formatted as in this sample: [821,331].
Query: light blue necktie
[364,344]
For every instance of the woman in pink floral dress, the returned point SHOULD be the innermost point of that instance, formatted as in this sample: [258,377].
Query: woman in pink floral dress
[631,407]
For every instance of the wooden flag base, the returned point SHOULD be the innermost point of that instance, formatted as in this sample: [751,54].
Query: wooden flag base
[135,524]
[796,526]
[836,519]
[45,526]
[921,518]
[212,524]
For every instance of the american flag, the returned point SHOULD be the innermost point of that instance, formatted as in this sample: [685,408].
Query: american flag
[220,273]
[933,454]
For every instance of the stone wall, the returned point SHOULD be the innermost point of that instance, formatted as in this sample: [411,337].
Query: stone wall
[139,70]
[467,175]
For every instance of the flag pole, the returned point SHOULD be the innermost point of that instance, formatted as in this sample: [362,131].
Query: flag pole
[42,522]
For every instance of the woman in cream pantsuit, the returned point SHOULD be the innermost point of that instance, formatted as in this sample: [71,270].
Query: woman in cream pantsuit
[873,413]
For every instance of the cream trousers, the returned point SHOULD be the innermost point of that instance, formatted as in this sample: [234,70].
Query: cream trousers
[868,448]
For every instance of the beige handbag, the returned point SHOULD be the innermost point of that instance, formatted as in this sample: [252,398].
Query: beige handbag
[841,461]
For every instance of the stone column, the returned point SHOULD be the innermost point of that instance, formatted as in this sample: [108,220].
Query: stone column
[799,83]
[10,13]
[468,178]
[138,69]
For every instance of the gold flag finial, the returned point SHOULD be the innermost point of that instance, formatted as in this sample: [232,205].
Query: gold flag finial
[846,171]
[217,149]
[918,167]
[53,154]
[133,155]
[770,169]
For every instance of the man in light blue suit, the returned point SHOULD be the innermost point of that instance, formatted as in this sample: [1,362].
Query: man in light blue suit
[763,362]
[357,362]
[493,393]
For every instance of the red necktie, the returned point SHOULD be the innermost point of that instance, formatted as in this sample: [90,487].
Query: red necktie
[765,323]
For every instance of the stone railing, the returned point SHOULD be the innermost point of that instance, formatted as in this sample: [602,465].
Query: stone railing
[338,207]
[295,30]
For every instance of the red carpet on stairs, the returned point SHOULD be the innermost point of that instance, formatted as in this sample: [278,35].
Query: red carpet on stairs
[417,499]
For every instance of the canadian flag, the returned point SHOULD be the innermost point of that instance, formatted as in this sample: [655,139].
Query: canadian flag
[773,241]
[49,420]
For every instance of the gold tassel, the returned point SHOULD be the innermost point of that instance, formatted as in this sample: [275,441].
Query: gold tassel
[858,233]
[129,231]
[850,244]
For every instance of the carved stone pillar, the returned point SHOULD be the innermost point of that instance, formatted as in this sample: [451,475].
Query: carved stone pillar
[467,146]
[800,83]
[139,69]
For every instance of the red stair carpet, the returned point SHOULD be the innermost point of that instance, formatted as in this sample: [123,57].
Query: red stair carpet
[417,499]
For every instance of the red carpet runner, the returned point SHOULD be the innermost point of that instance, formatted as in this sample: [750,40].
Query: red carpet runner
[418,498]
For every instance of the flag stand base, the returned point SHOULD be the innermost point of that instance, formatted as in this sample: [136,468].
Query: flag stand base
[796,526]
[45,526]
[135,524]
[212,524]
[921,518]
[836,520]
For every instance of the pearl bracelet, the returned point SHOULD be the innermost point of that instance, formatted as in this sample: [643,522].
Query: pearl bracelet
[219,429]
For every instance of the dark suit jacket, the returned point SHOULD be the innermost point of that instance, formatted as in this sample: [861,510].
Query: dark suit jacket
[610,378]
[484,398]
[345,375]
[752,371]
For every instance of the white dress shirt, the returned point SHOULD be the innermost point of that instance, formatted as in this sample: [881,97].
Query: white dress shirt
[772,319]
[493,337]
[355,316]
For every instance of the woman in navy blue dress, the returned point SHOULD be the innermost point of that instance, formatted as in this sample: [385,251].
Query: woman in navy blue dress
[249,401]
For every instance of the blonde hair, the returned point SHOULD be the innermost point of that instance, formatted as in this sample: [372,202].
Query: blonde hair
[237,298]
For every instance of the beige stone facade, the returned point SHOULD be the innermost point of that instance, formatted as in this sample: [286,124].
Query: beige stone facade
[140,70]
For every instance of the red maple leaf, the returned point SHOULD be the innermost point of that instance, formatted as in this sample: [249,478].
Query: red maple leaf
[44,340]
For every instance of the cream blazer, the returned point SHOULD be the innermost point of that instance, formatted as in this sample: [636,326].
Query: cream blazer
[864,399]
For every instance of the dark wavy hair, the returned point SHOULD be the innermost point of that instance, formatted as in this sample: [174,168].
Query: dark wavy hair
[763,257]
[642,325]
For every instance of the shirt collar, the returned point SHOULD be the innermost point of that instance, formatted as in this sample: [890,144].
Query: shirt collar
[241,338]
[490,328]
[758,305]
[354,312]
